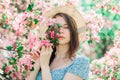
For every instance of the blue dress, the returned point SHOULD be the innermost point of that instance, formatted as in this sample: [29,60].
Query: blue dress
[80,67]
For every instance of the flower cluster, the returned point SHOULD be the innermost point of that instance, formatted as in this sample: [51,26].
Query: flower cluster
[94,23]
[53,32]
[108,67]
[20,34]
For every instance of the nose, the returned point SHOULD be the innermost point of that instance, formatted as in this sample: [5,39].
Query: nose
[61,30]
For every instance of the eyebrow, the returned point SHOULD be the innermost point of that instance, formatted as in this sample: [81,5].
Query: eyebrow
[65,24]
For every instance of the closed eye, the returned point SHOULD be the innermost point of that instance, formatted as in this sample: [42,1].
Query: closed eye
[65,26]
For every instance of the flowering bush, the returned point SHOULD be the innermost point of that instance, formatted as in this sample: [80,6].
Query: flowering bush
[108,67]
[53,32]
[18,64]
[20,34]
[103,17]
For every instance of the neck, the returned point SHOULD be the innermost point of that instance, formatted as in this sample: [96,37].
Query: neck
[62,51]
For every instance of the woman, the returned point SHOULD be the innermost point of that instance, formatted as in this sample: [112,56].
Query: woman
[64,63]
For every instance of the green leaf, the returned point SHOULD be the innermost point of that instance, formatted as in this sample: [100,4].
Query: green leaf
[13,31]
[12,61]
[20,54]
[9,72]
[20,48]
[32,69]
[89,41]
[16,68]
[33,62]
[38,12]
[59,25]
[102,35]
[26,35]
[116,17]
[30,7]
[6,26]
[4,16]
[4,67]
[24,73]
[35,21]
[29,18]
[110,33]
[115,26]
[117,76]
[9,48]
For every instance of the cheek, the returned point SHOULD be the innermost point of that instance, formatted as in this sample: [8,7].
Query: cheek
[68,34]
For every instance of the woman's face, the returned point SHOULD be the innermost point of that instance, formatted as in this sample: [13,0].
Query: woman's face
[64,31]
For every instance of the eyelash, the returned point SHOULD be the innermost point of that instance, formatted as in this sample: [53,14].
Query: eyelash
[66,27]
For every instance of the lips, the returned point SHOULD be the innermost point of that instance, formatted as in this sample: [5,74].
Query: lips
[60,37]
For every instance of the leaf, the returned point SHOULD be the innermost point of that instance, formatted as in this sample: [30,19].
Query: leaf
[59,25]
[102,35]
[89,41]
[12,61]
[116,17]
[26,35]
[16,68]
[9,48]
[35,21]
[6,26]
[4,16]
[40,38]
[117,75]
[30,7]
[20,48]
[24,72]
[29,18]
[20,54]
[107,13]
[115,26]
[32,69]
[110,33]
[38,12]
[9,72]
[4,67]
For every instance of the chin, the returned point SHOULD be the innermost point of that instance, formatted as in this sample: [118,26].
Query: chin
[63,42]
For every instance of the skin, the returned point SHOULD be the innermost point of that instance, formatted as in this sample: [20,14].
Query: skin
[42,61]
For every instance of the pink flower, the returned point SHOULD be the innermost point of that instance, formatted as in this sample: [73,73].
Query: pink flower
[45,43]
[52,34]
[25,60]
[114,78]
[51,22]
[32,40]
[58,35]
[25,15]
[6,2]
[8,68]
[13,76]
[18,75]
[96,38]
[113,10]
[17,32]
[2,58]
[117,42]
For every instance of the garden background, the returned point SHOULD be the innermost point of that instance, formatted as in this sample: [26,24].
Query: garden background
[19,34]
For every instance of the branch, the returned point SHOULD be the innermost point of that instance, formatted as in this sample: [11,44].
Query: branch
[6,49]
